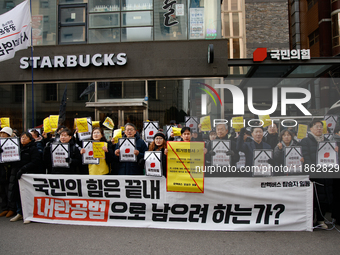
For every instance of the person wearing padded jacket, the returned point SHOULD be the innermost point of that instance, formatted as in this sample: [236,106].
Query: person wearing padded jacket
[131,168]
[74,158]
[159,144]
[30,159]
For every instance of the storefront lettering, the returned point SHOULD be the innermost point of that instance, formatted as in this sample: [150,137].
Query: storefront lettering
[169,5]
[73,61]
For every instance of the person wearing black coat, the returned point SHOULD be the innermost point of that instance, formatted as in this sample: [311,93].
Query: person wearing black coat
[323,194]
[30,158]
[272,137]
[222,134]
[336,183]
[248,147]
[74,159]
[286,139]
[131,168]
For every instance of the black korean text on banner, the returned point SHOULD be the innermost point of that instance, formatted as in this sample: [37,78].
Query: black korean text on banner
[88,155]
[150,129]
[331,121]
[327,156]
[11,149]
[192,122]
[86,135]
[153,163]
[221,147]
[60,152]
[292,159]
[262,167]
[282,203]
[127,148]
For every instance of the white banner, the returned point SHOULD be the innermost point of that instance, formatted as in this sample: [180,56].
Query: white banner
[15,30]
[239,204]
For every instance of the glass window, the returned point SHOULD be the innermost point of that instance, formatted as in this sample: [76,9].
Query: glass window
[12,101]
[72,34]
[72,1]
[137,18]
[134,89]
[132,5]
[104,5]
[336,29]
[236,25]
[51,92]
[104,20]
[104,35]
[313,38]
[72,15]
[137,34]
[108,90]
[170,20]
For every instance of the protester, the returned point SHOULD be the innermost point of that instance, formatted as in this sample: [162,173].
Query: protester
[222,134]
[336,183]
[159,144]
[131,168]
[323,194]
[286,139]
[8,207]
[30,158]
[248,147]
[272,137]
[74,159]
[104,163]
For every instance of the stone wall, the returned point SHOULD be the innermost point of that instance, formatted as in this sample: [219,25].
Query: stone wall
[267,25]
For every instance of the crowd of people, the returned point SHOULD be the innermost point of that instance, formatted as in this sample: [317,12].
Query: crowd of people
[36,157]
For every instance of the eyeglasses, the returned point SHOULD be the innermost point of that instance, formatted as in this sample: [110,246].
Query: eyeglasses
[129,130]
[319,127]
[159,139]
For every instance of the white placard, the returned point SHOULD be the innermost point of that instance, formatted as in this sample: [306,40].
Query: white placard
[153,163]
[150,129]
[221,147]
[60,151]
[292,159]
[331,121]
[263,168]
[192,123]
[11,149]
[327,156]
[88,155]
[127,148]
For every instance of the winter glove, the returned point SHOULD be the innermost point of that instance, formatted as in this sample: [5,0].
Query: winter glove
[242,131]
[19,173]
[141,162]
[230,153]
[271,161]
[68,160]
[212,153]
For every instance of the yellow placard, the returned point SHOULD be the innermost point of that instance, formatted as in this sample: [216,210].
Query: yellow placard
[206,123]
[54,121]
[324,130]
[82,125]
[95,124]
[302,131]
[47,126]
[185,167]
[122,128]
[117,134]
[237,123]
[176,131]
[5,122]
[266,120]
[108,122]
[98,151]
